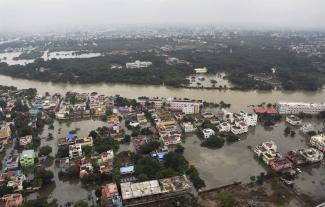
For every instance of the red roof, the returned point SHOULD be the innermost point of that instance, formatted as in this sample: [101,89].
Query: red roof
[261,110]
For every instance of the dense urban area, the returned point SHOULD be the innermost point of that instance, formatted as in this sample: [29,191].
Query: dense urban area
[134,155]
[193,116]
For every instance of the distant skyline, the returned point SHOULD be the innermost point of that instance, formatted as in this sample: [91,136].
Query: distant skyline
[32,15]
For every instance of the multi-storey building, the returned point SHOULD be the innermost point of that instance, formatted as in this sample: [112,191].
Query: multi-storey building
[299,107]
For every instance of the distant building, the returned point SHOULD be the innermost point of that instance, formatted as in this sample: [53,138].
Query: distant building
[299,107]
[201,70]
[138,64]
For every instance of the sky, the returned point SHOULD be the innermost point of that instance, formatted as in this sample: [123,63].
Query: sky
[290,14]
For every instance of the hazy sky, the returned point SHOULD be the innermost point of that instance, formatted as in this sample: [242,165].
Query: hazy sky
[252,13]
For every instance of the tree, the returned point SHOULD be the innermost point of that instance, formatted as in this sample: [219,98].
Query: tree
[40,202]
[45,176]
[149,147]
[226,199]
[179,149]
[287,131]
[176,162]
[45,151]
[80,204]
[213,142]
[127,138]
[87,150]
[195,178]
[103,145]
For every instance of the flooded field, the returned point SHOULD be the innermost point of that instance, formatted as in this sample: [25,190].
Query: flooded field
[208,81]
[9,57]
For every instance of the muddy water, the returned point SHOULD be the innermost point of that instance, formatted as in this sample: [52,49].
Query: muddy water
[239,99]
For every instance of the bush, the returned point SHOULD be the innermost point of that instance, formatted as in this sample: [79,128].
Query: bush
[45,151]
[213,142]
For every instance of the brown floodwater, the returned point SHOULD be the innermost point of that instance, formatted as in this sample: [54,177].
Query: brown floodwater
[238,99]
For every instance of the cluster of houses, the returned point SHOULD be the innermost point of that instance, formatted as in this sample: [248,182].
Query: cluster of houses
[83,105]
[269,154]
[236,123]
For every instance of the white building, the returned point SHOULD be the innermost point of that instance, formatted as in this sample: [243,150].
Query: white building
[318,141]
[250,119]
[201,70]
[224,127]
[293,120]
[138,64]
[299,107]
[188,127]
[186,106]
[208,133]
[239,128]
[75,151]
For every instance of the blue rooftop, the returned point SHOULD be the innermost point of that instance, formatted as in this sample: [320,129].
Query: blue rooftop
[126,170]
[71,136]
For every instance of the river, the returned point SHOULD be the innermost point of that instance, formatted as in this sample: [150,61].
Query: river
[239,99]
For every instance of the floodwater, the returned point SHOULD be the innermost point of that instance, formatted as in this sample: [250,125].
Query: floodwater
[233,162]
[239,100]
[8,57]
[236,162]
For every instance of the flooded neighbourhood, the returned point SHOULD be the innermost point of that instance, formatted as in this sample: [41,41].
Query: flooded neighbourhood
[235,162]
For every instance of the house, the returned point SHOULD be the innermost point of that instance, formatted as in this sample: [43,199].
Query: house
[171,139]
[25,141]
[75,151]
[86,167]
[188,127]
[139,141]
[160,154]
[11,200]
[33,112]
[27,158]
[265,147]
[110,196]
[224,127]
[201,70]
[138,64]
[208,133]
[318,141]
[16,182]
[5,134]
[280,164]
[84,141]
[105,162]
[268,111]
[293,120]
[12,162]
[239,128]
[128,170]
